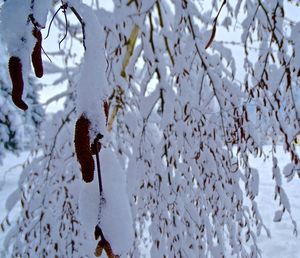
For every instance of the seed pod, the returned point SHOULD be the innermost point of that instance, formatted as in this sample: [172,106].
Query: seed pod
[82,148]
[99,249]
[106,110]
[109,251]
[15,71]
[104,244]
[36,55]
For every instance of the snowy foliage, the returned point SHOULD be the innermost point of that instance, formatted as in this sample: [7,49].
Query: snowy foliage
[178,126]
[17,129]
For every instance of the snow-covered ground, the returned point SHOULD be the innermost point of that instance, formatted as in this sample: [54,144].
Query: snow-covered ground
[283,243]
[9,175]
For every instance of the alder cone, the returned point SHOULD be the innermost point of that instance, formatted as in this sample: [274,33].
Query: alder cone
[36,55]
[82,148]
[16,76]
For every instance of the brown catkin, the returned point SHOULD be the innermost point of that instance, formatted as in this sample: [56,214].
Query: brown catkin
[36,55]
[82,148]
[15,72]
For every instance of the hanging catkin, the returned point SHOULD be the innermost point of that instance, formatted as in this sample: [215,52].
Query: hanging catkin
[15,72]
[36,55]
[82,148]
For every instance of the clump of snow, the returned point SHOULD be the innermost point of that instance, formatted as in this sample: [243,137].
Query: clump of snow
[88,214]
[296,40]
[115,215]
[14,31]
[115,218]
[92,84]
[40,11]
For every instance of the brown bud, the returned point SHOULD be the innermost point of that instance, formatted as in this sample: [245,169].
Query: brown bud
[97,232]
[15,71]
[82,148]
[36,55]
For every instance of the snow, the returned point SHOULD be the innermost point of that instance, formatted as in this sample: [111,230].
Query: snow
[282,243]
[116,221]
[17,33]
[92,84]
[40,11]
[115,215]
[115,218]
[9,176]
[88,213]
[13,30]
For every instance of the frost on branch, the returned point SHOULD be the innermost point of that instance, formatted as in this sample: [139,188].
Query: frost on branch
[114,213]
[180,123]
[92,85]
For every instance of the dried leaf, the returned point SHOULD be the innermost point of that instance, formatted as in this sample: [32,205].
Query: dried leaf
[213,34]
[36,55]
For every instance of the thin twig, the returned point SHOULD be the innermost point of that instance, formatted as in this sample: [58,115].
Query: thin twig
[48,32]
[66,22]
[82,25]
[161,22]
[96,147]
